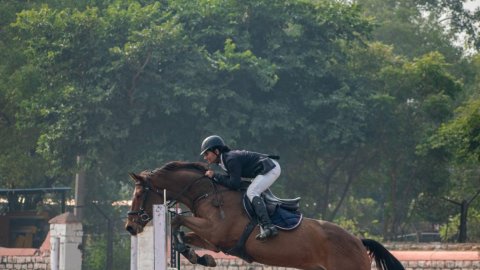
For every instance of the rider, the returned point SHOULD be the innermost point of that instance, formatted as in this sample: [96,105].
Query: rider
[240,163]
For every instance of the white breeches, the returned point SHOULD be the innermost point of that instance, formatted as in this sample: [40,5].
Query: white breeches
[262,182]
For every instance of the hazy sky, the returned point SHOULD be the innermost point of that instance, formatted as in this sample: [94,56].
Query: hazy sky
[472,4]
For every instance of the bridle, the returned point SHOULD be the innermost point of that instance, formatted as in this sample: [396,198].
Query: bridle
[141,213]
[146,185]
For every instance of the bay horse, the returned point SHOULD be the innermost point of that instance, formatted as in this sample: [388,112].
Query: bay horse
[219,220]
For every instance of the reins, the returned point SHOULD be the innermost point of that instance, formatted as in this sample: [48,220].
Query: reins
[147,185]
[218,203]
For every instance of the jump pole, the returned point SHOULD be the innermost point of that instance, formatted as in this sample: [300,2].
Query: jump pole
[149,249]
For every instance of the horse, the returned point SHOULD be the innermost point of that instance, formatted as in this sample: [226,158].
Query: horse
[219,221]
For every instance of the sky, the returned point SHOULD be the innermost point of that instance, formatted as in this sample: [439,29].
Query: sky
[471,5]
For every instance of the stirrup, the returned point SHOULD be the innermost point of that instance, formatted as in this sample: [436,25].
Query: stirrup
[267,232]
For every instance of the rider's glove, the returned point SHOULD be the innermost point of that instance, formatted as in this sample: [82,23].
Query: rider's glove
[216,179]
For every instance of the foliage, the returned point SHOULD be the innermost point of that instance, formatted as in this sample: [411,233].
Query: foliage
[449,231]
[95,255]
[462,134]
[360,216]
[421,26]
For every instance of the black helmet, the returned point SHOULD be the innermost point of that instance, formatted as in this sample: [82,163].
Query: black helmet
[211,142]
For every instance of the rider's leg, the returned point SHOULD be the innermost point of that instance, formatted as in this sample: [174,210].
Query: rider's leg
[258,185]
[267,228]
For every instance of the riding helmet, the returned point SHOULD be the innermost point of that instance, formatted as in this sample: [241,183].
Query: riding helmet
[211,142]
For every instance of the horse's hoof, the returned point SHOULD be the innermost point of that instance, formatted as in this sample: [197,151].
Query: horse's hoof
[207,260]
[191,256]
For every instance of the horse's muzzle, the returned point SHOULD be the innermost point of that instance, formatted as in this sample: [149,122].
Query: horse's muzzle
[133,228]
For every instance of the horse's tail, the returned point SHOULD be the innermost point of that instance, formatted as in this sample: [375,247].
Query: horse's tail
[383,258]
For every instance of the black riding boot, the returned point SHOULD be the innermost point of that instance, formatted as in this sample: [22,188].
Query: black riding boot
[267,228]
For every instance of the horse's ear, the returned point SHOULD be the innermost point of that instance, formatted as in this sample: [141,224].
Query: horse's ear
[134,177]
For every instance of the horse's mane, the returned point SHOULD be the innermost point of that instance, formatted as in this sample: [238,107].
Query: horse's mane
[180,165]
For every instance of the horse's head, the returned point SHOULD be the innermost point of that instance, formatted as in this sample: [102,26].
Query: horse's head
[179,180]
[144,196]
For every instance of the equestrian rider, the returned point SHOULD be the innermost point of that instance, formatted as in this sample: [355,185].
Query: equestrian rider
[240,163]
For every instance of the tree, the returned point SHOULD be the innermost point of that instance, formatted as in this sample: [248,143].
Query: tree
[19,163]
[464,205]
[460,137]
[418,27]
[422,100]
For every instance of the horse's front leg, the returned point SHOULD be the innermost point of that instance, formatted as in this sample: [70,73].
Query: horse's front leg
[181,240]
[192,239]
[201,226]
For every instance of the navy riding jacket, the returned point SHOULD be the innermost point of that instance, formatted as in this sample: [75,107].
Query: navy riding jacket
[242,163]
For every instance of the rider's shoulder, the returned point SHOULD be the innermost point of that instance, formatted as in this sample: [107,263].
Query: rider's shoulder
[239,152]
[243,155]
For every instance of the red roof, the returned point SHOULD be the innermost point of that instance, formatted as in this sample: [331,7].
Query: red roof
[437,255]
[18,251]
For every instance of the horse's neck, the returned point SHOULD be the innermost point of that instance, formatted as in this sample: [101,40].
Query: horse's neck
[189,186]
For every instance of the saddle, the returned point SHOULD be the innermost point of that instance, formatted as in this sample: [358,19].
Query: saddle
[276,207]
[284,214]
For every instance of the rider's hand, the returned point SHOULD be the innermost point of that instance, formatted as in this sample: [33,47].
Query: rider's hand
[209,173]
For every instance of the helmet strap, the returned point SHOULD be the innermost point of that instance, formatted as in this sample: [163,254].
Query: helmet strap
[217,153]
